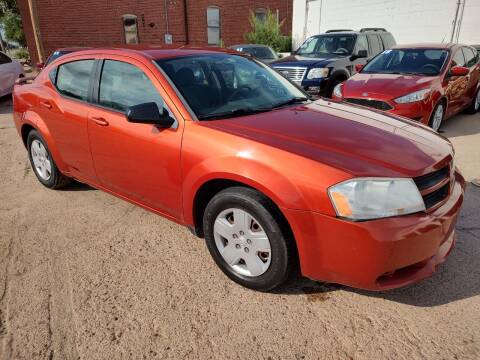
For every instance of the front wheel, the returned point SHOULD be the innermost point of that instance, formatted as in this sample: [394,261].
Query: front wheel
[437,116]
[247,239]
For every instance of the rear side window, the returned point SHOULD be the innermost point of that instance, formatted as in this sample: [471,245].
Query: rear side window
[375,46]
[388,40]
[362,43]
[73,79]
[470,57]
[458,58]
[123,85]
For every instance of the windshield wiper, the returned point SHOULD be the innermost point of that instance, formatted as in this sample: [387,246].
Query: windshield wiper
[232,113]
[291,101]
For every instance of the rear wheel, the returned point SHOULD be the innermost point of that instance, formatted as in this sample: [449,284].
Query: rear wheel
[475,105]
[436,119]
[247,240]
[42,162]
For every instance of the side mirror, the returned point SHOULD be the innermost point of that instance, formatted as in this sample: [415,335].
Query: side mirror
[359,67]
[40,65]
[459,71]
[148,113]
[360,54]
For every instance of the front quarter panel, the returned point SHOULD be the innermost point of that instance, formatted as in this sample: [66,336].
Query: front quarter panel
[291,181]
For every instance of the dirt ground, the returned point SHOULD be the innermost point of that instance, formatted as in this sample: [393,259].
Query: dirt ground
[84,275]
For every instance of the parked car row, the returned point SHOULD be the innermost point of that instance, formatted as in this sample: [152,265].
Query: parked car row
[428,83]
[276,183]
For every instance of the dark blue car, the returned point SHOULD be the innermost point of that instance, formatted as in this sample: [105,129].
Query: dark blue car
[324,61]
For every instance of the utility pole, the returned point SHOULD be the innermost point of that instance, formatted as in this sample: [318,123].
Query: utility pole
[459,2]
[36,32]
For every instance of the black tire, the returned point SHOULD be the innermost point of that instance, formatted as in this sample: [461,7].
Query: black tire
[283,263]
[56,180]
[431,121]
[331,86]
[474,107]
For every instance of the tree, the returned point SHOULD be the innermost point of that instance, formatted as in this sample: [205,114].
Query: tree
[12,22]
[267,31]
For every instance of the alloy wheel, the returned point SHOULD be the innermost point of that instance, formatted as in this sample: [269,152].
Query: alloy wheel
[242,242]
[41,160]
[437,117]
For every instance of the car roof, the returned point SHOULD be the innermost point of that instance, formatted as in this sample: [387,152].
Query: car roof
[156,51]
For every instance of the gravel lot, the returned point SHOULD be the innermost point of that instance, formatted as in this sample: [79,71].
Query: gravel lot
[84,275]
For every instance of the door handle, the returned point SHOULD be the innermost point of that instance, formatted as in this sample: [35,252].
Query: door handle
[46,104]
[100,121]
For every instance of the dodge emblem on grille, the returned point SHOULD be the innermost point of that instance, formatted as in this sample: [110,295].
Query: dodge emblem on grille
[285,72]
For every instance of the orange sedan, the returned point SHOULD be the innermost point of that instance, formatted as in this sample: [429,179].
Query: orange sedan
[227,146]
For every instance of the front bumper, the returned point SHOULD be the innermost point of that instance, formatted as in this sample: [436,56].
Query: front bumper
[419,111]
[316,87]
[380,254]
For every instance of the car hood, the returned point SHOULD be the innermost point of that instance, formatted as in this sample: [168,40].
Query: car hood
[353,139]
[393,85]
[305,61]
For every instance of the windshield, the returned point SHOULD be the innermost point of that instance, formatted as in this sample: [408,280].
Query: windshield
[327,44]
[224,85]
[408,61]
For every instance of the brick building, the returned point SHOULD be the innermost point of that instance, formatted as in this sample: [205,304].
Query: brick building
[67,23]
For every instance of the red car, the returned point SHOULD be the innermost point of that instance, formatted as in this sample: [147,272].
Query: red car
[428,83]
[225,145]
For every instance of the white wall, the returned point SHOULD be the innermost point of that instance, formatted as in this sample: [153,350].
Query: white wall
[408,20]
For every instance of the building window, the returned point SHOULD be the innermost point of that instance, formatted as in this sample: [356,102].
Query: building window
[213,25]
[130,28]
[261,14]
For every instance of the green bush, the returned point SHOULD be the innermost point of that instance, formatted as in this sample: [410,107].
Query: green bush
[22,53]
[268,32]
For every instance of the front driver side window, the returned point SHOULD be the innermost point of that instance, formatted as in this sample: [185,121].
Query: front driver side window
[123,85]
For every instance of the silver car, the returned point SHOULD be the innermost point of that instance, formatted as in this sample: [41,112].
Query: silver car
[10,71]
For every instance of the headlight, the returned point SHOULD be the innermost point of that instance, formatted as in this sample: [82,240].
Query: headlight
[317,73]
[375,198]
[337,90]
[413,97]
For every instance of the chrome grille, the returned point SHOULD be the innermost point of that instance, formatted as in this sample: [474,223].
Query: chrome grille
[376,104]
[293,73]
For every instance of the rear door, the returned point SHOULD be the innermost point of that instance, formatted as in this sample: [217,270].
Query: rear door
[64,107]
[138,161]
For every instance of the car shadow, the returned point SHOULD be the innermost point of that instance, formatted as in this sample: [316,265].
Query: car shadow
[458,278]
[77,186]
[461,125]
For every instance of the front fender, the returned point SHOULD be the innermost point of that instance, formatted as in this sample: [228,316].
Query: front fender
[247,171]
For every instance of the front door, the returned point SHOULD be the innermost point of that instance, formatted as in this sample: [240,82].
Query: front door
[138,161]
[457,85]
